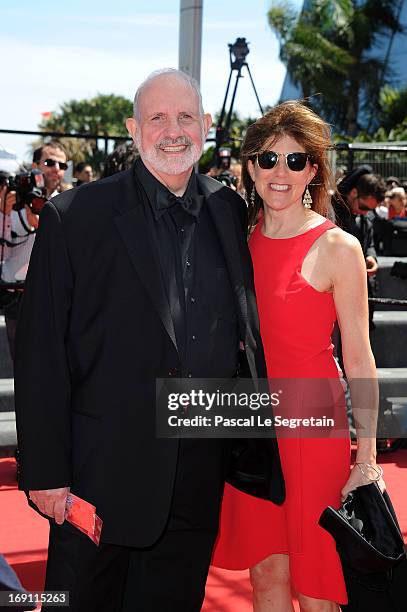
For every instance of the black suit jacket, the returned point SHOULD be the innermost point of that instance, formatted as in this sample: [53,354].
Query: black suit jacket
[94,333]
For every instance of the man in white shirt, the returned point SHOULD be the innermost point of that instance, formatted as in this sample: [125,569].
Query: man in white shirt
[51,160]
[18,228]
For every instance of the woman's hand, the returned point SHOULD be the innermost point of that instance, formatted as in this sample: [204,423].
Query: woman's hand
[357,479]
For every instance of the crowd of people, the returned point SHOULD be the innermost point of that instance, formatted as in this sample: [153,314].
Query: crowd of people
[366,205]
[148,274]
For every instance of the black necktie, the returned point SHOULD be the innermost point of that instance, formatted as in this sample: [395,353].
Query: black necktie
[167,200]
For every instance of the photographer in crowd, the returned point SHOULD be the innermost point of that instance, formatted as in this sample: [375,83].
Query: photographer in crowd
[19,223]
[83,173]
[361,193]
[51,159]
[121,158]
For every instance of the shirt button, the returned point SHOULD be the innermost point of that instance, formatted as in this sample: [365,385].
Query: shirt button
[192,300]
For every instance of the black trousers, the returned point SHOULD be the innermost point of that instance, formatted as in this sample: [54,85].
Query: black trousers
[10,314]
[169,576]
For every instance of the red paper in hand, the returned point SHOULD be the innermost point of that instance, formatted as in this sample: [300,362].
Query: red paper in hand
[82,515]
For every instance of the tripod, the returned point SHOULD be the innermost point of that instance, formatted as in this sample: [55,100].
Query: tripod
[237,55]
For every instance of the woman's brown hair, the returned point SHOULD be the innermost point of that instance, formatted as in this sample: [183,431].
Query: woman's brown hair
[293,119]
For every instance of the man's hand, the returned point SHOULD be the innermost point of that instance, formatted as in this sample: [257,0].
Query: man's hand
[51,502]
[7,200]
[371,265]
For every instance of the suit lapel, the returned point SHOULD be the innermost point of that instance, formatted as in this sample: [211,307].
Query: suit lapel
[226,227]
[240,271]
[135,232]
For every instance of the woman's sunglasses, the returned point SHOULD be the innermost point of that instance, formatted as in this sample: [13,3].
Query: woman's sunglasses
[50,163]
[294,161]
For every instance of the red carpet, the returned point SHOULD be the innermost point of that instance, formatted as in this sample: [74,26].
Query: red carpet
[23,537]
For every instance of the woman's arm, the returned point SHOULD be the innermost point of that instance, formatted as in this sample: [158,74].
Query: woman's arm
[351,302]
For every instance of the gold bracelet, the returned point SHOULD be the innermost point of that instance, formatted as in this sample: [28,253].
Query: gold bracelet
[376,468]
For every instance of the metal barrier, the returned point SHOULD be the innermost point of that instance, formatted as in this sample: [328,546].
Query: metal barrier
[104,137]
[388,301]
[385,159]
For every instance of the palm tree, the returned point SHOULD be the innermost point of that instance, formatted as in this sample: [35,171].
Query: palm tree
[328,49]
[104,114]
[393,105]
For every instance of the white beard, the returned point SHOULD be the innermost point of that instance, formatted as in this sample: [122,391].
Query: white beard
[165,164]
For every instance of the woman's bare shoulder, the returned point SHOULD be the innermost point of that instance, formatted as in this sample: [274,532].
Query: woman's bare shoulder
[343,253]
[337,241]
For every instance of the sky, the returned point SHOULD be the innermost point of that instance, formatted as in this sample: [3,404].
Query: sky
[53,52]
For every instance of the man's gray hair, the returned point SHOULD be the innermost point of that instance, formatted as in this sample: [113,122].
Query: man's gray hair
[169,72]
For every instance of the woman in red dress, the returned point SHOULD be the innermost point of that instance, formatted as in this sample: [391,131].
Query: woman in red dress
[308,274]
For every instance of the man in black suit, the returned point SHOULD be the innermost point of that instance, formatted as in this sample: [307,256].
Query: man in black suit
[140,276]
[362,192]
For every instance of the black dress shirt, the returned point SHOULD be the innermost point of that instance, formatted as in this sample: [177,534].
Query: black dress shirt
[181,239]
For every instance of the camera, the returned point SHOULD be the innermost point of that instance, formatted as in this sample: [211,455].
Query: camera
[225,176]
[30,190]
[224,155]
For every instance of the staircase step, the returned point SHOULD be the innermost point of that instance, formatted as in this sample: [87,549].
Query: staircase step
[8,436]
[389,338]
[392,384]
[6,395]
[394,380]
[392,402]
[390,286]
[6,364]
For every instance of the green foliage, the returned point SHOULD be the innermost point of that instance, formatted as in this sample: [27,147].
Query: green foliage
[396,134]
[282,18]
[103,114]
[327,50]
[393,117]
[206,161]
[238,127]
[393,104]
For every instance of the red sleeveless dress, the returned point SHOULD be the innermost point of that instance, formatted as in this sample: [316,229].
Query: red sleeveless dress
[296,323]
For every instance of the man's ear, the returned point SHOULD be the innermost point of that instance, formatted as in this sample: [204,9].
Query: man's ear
[131,126]
[207,121]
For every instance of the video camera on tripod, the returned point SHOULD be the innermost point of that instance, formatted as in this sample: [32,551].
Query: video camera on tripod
[29,188]
[238,52]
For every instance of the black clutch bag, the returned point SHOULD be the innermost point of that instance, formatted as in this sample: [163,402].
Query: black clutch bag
[371,548]
[366,530]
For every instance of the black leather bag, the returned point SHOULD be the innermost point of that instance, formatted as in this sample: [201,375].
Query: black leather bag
[371,548]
